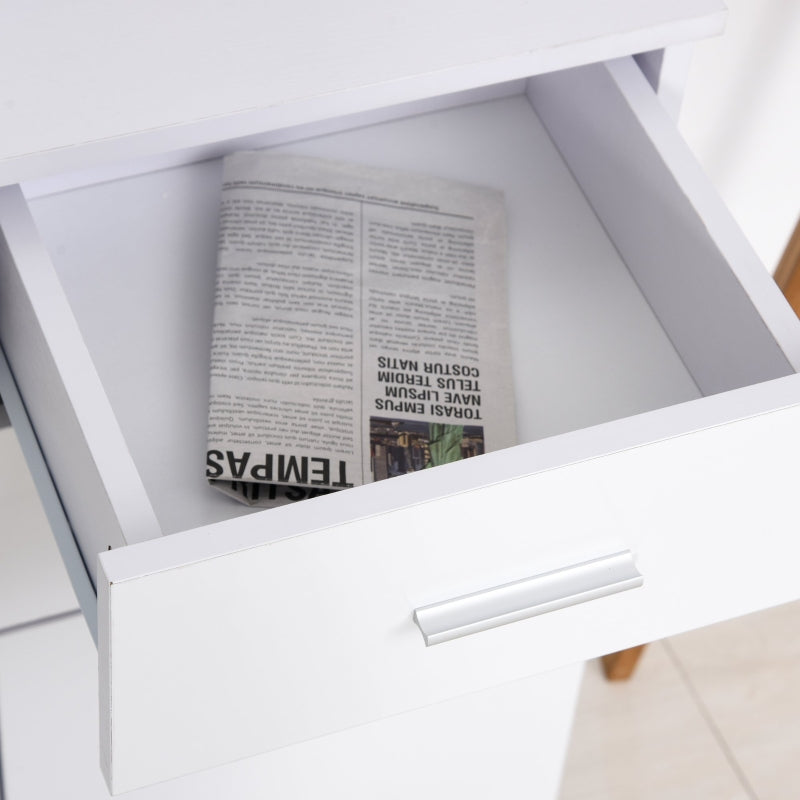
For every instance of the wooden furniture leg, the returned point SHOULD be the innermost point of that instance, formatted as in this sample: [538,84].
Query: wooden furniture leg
[787,275]
[619,666]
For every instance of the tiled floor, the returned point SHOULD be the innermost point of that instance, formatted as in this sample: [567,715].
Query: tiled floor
[712,714]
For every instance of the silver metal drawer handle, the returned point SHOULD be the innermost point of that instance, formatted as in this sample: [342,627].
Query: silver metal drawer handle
[490,608]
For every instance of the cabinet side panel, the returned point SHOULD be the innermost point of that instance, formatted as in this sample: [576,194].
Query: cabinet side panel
[693,265]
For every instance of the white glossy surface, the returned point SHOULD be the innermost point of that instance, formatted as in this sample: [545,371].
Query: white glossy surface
[65,159]
[85,84]
[505,742]
[343,596]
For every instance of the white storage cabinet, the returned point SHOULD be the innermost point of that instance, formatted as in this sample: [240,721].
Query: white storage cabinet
[655,373]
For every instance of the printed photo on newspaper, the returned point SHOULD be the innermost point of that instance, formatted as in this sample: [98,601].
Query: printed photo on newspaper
[360,327]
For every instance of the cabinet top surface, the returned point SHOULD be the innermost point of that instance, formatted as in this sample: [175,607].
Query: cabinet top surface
[74,75]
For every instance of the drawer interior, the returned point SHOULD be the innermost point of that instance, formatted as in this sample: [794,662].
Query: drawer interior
[621,301]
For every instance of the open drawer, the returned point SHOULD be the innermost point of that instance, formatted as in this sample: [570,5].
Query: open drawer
[657,399]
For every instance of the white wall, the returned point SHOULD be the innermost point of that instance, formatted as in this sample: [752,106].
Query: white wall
[741,116]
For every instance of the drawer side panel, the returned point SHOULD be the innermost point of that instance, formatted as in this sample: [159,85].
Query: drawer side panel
[63,395]
[716,302]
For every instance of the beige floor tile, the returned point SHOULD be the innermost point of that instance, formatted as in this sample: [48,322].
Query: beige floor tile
[33,580]
[746,673]
[645,738]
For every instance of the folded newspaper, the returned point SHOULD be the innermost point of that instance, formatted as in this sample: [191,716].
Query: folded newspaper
[360,327]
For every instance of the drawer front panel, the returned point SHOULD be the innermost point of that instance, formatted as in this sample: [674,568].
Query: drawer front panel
[499,743]
[249,651]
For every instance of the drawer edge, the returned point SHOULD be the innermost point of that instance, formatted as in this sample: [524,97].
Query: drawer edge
[490,469]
